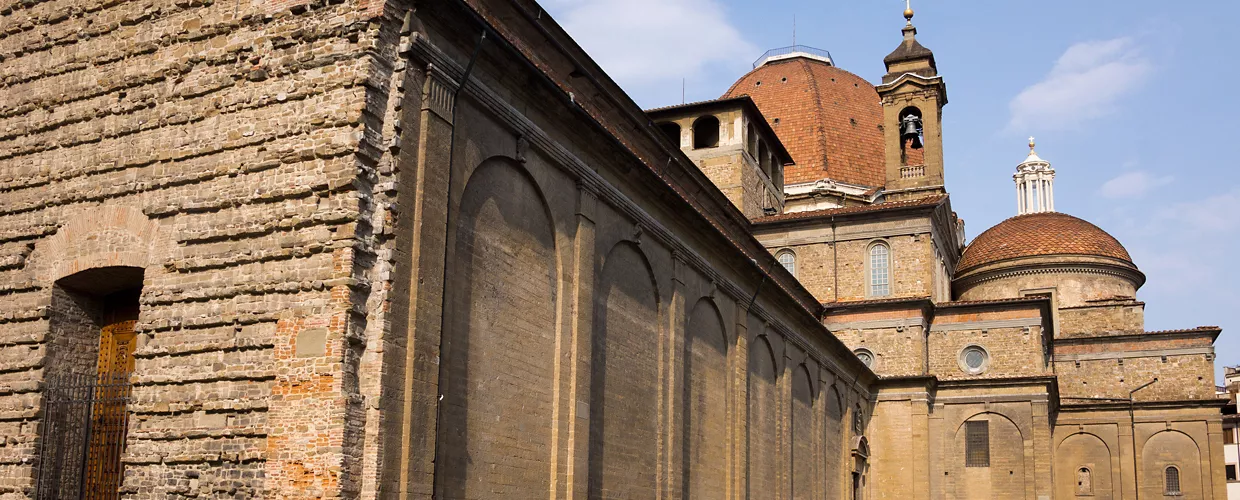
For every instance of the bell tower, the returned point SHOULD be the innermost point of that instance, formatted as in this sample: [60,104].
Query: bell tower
[913,95]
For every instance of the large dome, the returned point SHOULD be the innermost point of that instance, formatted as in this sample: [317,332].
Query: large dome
[828,119]
[1041,234]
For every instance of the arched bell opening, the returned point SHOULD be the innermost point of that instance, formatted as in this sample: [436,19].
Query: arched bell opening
[912,151]
[90,360]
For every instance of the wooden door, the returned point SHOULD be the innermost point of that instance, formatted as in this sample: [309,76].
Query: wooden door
[109,413]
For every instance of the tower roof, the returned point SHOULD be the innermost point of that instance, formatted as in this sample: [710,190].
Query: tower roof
[828,119]
[910,56]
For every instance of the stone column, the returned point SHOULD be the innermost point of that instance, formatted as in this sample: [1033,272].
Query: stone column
[1020,202]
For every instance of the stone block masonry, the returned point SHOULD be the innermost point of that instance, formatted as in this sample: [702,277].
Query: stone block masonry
[220,148]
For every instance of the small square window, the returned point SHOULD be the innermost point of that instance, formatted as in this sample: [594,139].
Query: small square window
[1229,436]
[1231,473]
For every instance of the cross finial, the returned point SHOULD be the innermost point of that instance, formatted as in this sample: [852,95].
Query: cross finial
[1031,144]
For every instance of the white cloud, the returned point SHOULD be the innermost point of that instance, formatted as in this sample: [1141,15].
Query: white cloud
[1210,217]
[1132,185]
[1084,84]
[640,42]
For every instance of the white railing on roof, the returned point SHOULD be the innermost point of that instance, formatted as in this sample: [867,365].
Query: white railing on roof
[794,51]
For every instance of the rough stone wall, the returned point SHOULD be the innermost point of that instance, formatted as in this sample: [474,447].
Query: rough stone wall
[214,145]
[897,351]
[1101,319]
[821,268]
[1180,377]
[1012,338]
[734,165]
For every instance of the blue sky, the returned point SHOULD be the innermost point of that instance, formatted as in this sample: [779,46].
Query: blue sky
[1129,101]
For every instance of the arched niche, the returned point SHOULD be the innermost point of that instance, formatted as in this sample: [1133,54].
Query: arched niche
[705,425]
[804,442]
[1171,448]
[1084,451]
[763,425]
[500,321]
[624,423]
[1002,474]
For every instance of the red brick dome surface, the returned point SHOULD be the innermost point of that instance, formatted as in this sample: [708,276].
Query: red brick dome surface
[1046,233]
[827,118]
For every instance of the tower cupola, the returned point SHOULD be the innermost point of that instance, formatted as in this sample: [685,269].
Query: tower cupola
[1035,184]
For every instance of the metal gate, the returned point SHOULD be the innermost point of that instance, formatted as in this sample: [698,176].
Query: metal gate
[85,418]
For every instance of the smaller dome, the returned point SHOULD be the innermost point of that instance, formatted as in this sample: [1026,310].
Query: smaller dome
[1041,234]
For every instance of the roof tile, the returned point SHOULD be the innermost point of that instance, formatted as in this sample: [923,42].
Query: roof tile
[1044,233]
[829,119]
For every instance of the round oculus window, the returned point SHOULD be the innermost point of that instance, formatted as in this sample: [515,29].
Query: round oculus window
[865,356]
[974,359]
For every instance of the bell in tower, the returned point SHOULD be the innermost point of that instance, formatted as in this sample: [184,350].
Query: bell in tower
[910,131]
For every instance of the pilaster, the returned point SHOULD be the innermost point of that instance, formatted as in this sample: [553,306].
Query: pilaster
[425,191]
[739,409]
[571,453]
[672,403]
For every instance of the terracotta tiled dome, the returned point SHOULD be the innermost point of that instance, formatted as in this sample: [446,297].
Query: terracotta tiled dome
[1045,233]
[827,118]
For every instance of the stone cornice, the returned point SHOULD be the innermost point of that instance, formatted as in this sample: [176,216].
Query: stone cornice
[974,278]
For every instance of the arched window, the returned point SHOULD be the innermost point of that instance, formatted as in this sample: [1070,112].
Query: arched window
[671,130]
[1171,485]
[1084,481]
[788,260]
[706,132]
[879,267]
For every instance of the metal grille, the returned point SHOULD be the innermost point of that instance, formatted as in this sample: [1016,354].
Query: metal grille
[977,444]
[1173,481]
[85,419]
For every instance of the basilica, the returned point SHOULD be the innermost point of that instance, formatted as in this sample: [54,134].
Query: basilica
[429,249]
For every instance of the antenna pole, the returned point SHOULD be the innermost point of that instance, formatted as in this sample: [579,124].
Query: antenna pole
[794,30]
[682,90]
